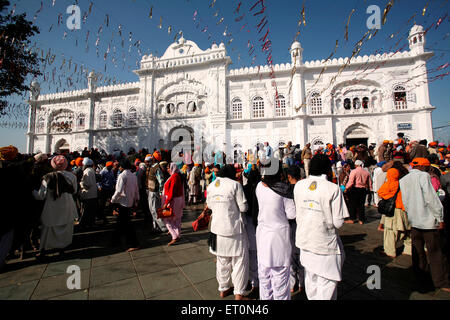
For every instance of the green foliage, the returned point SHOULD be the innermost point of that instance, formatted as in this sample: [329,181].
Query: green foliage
[17,61]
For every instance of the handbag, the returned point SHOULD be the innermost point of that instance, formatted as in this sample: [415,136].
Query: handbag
[387,207]
[165,213]
[201,223]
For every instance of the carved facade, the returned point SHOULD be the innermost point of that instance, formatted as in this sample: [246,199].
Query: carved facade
[373,99]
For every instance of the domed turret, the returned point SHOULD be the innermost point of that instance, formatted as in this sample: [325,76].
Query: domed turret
[416,39]
[92,80]
[35,90]
[416,29]
[296,45]
[296,53]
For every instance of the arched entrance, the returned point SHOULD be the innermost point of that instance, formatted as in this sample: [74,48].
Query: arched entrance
[62,147]
[357,134]
[238,154]
[181,136]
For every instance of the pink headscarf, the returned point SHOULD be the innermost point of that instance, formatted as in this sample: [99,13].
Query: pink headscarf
[174,168]
[59,163]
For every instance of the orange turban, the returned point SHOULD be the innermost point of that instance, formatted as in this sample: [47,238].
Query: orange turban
[79,162]
[109,164]
[423,162]
[207,170]
[8,153]
[72,163]
[433,144]
[157,156]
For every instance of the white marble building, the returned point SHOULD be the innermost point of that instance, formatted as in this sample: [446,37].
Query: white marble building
[236,108]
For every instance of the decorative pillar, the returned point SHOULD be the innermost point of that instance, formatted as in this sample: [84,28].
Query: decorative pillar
[34,95]
[92,79]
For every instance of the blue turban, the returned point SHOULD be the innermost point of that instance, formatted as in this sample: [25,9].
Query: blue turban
[382,163]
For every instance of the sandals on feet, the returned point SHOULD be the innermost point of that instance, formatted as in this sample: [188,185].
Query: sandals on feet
[173,242]
[226,293]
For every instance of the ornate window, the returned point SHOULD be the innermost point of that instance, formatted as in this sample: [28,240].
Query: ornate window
[258,107]
[170,108]
[41,125]
[374,102]
[315,103]
[132,117]
[103,120]
[400,98]
[236,108]
[62,122]
[338,104]
[365,103]
[356,103]
[347,104]
[280,106]
[318,141]
[117,119]
[192,107]
[81,121]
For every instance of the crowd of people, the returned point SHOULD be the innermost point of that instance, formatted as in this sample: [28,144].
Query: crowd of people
[273,232]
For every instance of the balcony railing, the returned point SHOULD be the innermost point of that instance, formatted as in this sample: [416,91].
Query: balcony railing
[400,105]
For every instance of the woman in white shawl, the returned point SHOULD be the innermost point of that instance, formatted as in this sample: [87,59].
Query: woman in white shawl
[59,213]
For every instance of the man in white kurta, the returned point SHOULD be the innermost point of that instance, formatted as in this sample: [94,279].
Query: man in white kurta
[226,199]
[379,177]
[273,243]
[321,211]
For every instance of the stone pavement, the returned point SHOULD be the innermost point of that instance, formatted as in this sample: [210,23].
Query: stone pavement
[186,271]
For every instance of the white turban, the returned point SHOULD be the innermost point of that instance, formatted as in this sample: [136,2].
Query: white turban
[40,157]
[87,162]
[359,163]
